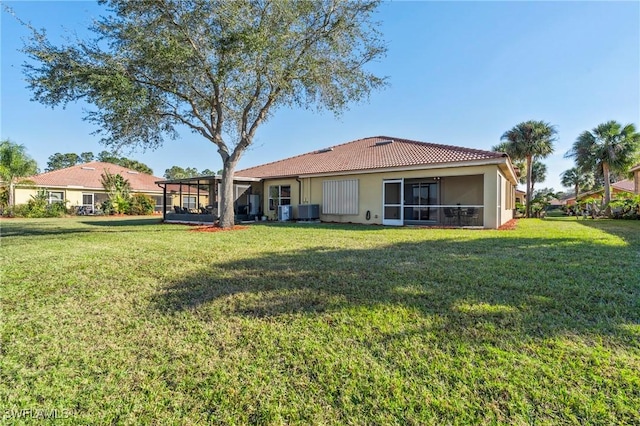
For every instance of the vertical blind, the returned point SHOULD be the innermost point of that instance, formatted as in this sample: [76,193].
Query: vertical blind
[340,197]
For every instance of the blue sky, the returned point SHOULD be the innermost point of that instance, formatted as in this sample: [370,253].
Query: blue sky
[460,73]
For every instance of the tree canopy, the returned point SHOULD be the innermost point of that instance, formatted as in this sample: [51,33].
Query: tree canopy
[177,172]
[220,68]
[59,161]
[15,163]
[577,179]
[609,147]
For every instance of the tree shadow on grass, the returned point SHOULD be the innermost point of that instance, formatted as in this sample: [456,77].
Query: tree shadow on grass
[124,222]
[60,226]
[534,287]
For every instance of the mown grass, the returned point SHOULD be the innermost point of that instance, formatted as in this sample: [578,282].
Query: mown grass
[135,322]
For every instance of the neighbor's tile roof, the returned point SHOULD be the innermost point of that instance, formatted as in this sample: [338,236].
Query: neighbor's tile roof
[88,175]
[368,154]
[635,168]
[625,185]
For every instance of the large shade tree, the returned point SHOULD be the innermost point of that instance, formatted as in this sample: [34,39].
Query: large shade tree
[576,179]
[15,163]
[609,147]
[529,140]
[220,68]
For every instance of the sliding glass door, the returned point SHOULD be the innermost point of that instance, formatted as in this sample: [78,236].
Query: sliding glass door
[420,201]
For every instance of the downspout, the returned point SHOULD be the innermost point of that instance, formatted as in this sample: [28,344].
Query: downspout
[299,190]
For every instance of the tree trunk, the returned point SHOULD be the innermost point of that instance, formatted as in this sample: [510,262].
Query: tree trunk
[529,185]
[225,204]
[607,189]
[11,195]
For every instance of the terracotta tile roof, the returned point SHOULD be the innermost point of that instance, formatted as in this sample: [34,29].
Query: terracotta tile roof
[625,185]
[368,154]
[87,176]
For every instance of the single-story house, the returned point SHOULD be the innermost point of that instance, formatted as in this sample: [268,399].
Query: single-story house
[629,186]
[379,180]
[81,185]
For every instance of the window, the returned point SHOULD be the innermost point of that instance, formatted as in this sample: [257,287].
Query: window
[55,197]
[158,203]
[340,196]
[189,202]
[279,195]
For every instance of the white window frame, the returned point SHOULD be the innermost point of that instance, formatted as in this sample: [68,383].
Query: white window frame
[280,200]
[51,200]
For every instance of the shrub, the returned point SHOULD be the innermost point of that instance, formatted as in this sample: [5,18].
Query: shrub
[141,204]
[626,206]
[107,207]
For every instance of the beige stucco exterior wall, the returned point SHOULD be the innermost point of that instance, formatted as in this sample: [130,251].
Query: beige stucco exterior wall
[499,199]
[479,183]
[72,196]
[22,195]
[636,181]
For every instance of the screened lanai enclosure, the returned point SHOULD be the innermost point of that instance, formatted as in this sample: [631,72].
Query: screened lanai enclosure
[196,200]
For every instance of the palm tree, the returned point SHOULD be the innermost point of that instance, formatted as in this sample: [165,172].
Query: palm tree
[576,179]
[528,141]
[15,163]
[538,173]
[609,147]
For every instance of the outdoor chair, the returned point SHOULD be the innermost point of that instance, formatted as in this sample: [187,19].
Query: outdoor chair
[471,216]
[449,216]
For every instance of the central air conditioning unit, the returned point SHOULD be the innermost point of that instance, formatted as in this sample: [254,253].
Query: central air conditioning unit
[285,213]
[308,211]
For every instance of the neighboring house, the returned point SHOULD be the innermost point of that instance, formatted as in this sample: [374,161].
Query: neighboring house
[521,196]
[391,181]
[81,186]
[622,186]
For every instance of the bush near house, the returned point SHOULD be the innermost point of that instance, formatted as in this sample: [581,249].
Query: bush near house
[141,204]
[626,206]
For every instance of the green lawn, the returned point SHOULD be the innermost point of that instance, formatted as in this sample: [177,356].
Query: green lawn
[129,321]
